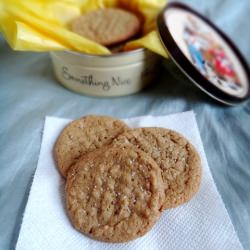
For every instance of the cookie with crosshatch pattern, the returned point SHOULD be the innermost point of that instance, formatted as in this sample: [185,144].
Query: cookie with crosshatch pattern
[114,194]
[178,159]
[84,135]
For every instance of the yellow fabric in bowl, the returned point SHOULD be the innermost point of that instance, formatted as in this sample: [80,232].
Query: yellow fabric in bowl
[43,25]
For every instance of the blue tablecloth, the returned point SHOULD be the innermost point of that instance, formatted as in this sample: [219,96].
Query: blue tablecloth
[29,92]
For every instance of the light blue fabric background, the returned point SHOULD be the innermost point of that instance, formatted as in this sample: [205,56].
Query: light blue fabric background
[29,92]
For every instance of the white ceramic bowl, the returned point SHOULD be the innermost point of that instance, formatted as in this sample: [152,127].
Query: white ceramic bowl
[112,75]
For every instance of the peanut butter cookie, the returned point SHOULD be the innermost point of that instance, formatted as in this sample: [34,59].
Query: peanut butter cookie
[107,26]
[179,161]
[114,194]
[85,135]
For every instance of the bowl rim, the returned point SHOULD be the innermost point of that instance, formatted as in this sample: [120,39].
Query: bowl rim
[124,53]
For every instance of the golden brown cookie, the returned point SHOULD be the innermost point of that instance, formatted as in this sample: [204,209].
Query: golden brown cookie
[114,194]
[107,26]
[85,135]
[179,161]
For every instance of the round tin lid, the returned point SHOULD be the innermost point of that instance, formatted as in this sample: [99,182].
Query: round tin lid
[204,54]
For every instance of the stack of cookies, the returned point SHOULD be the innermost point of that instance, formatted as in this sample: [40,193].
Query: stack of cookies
[111,27]
[119,180]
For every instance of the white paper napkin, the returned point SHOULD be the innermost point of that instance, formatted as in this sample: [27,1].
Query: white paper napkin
[202,223]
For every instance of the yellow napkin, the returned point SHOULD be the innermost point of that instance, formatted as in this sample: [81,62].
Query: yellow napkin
[43,25]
